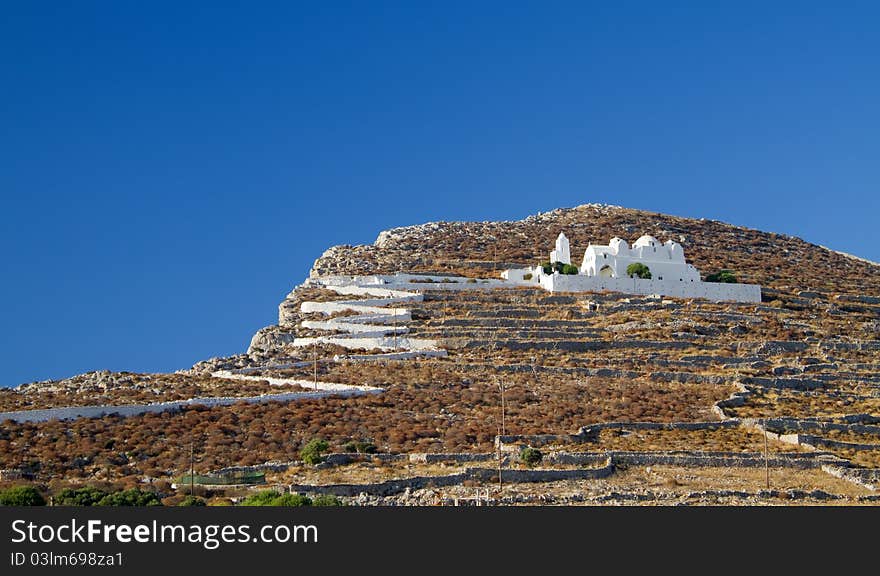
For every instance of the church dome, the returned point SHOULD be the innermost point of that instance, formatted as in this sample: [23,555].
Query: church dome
[647,240]
[619,245]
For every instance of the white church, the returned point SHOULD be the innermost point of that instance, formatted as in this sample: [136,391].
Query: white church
[604,268]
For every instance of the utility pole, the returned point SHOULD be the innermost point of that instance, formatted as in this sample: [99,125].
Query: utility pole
[766,463]
[192,460]
[315,353]
[503,430]
[500,482]
[500,436]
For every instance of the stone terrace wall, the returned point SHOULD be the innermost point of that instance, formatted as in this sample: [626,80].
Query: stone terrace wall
[390,487]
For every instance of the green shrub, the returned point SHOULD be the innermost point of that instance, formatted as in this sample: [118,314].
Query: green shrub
[327,500]
[527,276]
[275,498]
[722,276]
[85,496]
[192,501]
[21,496]
[549,268]
[261,498]
[638,270]
[360,446]
[292,500]
[312,453]
[530,456]
[130,497]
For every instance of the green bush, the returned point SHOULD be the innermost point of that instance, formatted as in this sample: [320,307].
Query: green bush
[639,270]
[327,500]
[722,276]
[312,453]
[530,456]
[21,496]
[292,500]
[527,276]
[362,447]
[261,498]
[85,496]
[192,501]
[275,498]
[549,268]
[131,497]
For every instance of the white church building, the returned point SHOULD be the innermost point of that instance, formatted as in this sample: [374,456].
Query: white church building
[663,260]
[604,268]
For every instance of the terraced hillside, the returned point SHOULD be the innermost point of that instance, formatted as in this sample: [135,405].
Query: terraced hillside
[488,392]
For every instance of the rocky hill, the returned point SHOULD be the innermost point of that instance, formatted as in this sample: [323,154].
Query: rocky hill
[427,380]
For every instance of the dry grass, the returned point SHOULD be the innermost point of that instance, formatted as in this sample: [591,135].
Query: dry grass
[789,403]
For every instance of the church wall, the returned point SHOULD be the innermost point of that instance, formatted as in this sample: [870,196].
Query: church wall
[709,290]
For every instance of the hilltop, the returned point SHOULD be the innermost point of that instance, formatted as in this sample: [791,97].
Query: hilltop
[479,248]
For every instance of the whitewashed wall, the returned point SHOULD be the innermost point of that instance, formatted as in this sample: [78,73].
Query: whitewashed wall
[709,290]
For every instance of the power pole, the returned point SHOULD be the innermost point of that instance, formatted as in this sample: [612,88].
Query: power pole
[766,463]
[192,460]
[500,482]
[503,430]
[315,353]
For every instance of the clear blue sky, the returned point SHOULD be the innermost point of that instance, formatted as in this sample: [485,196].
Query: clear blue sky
[169,171]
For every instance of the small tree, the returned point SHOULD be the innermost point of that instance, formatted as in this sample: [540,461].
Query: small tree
[192,501]
[530,456]
[722,276]
[551,267]
[21,496]
[638,270]
[312,453]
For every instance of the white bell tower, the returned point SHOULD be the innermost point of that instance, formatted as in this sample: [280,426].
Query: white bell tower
[562,253]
